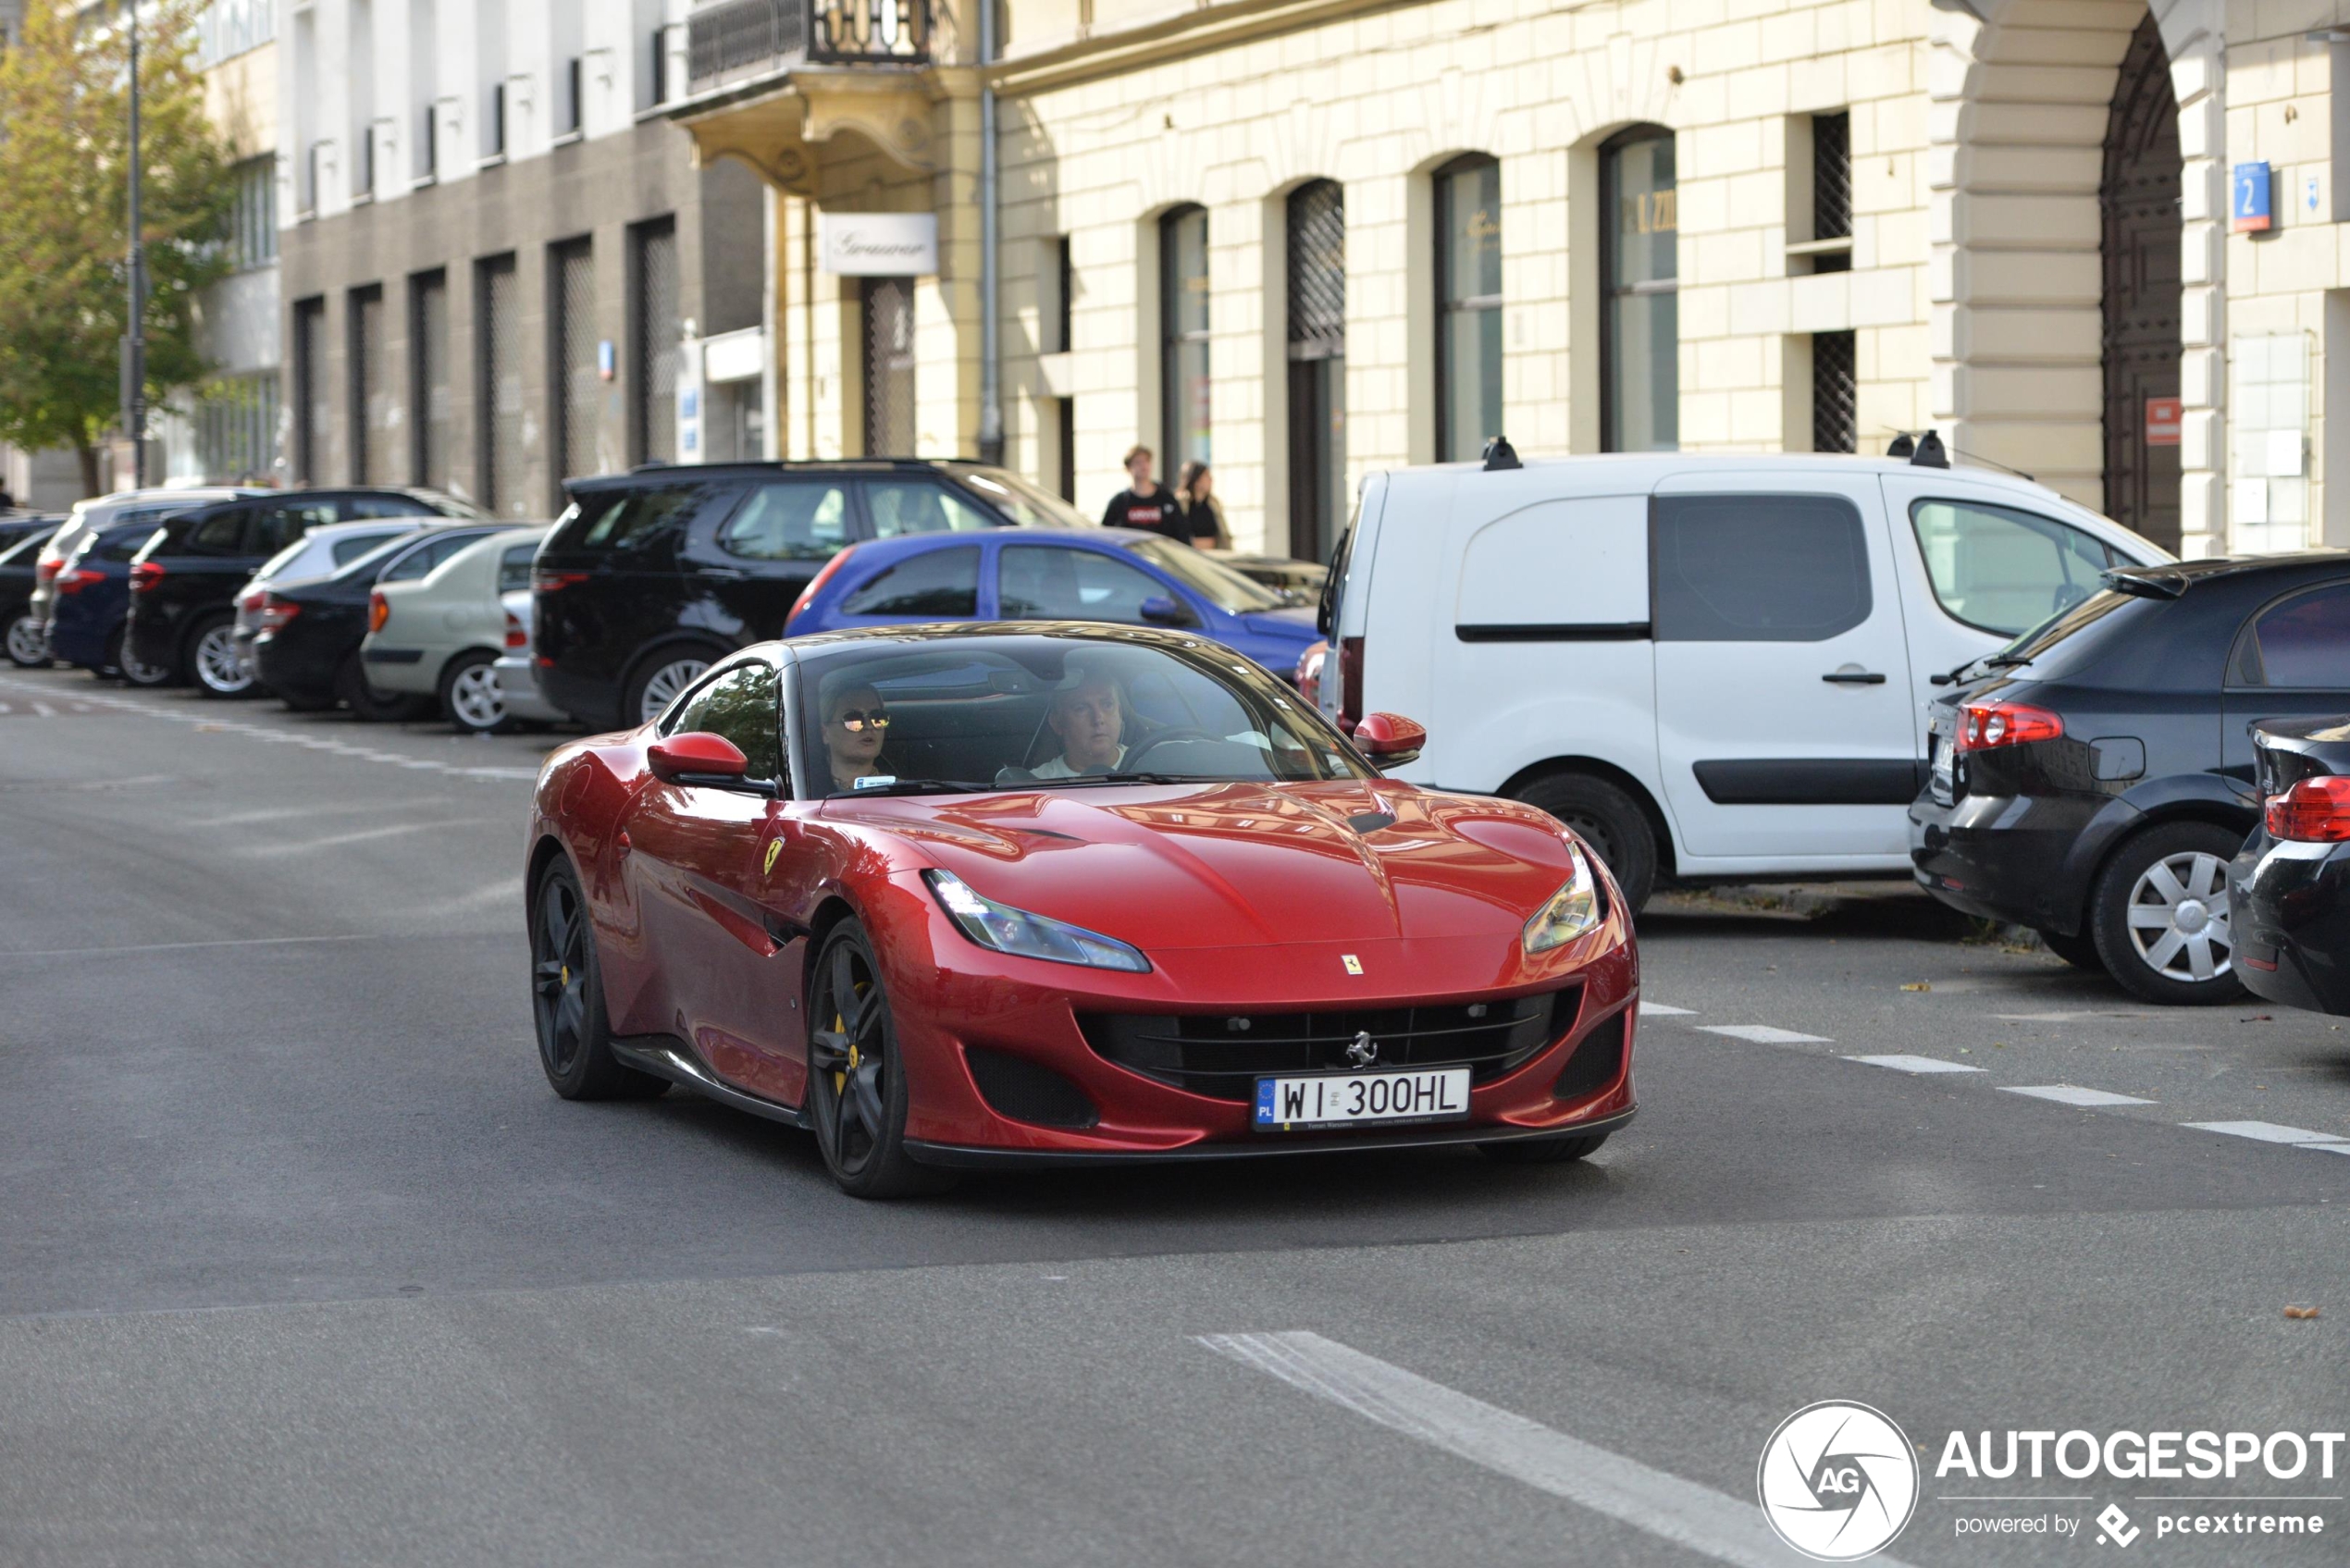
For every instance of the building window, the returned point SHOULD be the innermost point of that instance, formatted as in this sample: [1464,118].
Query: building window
[498,383]
[576,372]
[1640,333]
[889,367]
[1317,276]
[311,407]
[1059,321]
[225,29]
[1468,306]
[576,94]
[428,376]
[370,388]
[653,328]
[252,214]
[1832,189]
[498,120]
[1182,333]
[1066,487]
[237,427]
[1835,422]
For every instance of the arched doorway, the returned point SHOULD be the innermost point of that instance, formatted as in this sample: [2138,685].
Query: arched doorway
[2139,199]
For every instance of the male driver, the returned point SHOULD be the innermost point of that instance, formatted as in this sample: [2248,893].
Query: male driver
[1089,718]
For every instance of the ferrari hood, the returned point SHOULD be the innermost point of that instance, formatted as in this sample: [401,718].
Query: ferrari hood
[1217,865]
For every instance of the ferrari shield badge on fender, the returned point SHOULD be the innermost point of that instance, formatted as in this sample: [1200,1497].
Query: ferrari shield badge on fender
[774,847]
[1353,965]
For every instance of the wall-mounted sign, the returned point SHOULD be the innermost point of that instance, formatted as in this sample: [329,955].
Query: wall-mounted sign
[607,361]
[2248,198]
[878,244]
[2165,420]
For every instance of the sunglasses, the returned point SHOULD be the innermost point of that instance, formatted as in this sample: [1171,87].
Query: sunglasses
[854,720]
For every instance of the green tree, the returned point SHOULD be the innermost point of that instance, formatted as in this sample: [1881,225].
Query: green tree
[64,197]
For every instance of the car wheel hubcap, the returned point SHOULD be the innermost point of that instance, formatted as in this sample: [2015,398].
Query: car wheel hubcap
[26,645]
[847,1060]
[142,674]
[217,663]
[476,699]
[667,681]
[559,976]
[2178,918]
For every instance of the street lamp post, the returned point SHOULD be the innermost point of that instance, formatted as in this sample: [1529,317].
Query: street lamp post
[134,342]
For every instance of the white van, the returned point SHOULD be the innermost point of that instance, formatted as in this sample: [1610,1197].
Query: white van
[1711,665]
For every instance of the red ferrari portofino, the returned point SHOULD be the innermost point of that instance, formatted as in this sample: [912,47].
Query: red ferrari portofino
[988,894]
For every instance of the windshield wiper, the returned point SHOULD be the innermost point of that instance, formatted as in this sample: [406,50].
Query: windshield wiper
[914,786]
[1134,778]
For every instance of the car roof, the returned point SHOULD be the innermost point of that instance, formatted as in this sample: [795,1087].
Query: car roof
[966,631]
[2174,578]
[747,468]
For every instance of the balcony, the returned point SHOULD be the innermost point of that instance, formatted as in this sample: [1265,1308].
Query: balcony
[740,41]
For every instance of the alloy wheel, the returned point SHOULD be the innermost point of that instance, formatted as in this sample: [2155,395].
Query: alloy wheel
[847,1059]
[476,699]
[140,674]
[559,975]
[665,683]
[2178,918]
[28,643]
[218,669]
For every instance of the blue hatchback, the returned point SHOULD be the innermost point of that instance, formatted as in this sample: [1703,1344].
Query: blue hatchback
[92,603]
[1116,575]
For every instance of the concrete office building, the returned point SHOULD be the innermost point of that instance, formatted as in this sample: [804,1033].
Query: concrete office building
[501,266]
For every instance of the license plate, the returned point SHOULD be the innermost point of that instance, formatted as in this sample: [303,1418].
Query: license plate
[1945,773]
[1348,1099]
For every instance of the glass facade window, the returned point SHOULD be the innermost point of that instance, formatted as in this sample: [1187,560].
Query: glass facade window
[581,393]
[237,427]
[1468,307]
[655,323]
[428,376]
[371,428]
[1182,314]
[889,367]
[499,394]
[252,214]
[1640,335]
[312,407]
[1317,276]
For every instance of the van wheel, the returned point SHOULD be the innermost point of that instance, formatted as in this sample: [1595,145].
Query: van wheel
[1609,821]
[2159,914]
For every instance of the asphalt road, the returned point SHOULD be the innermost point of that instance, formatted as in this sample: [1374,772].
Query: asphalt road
[303,1263]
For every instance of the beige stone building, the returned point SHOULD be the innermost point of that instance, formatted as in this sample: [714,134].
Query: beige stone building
[1302,239]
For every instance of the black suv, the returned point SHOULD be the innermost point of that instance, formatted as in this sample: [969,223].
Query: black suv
[650,577]
[184,584]
[2094,779]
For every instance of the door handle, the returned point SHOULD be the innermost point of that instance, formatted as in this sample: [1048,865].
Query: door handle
[1854,678]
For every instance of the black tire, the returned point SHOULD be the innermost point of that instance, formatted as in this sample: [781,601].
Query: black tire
[2133,915]
[2080,950]
[28,644]
[1544,1150]
[659,675]
[366,702]
[567,998]
[119,663]
[857,1094]
[470,700]
[1609,821]
[208,660]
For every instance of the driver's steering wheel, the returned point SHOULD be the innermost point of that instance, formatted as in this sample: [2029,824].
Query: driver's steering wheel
[1158,738]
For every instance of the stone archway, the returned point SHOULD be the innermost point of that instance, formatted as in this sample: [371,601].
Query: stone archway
[2138,205]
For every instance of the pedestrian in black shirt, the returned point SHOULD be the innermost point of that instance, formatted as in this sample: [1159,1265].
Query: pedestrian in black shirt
[1144,503]
[1203,519]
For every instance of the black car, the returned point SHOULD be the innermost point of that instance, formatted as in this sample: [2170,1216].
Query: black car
[2289,891]
[184,584]
[2094,779]
[307,650]
[16,526]
[28,643]
[651,575]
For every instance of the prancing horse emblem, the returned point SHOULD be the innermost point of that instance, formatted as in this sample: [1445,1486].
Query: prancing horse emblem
[774,847]
[1364,1051]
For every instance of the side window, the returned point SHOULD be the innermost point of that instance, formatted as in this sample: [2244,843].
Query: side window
[1757,568]
[741,703]
[274,527]
[937,582]
[123,546]
[2304,642]
[1047,583]
[514,568]
[913,506]
[356,507]
[795,520]
[221,534]
[2002,570]
[345,551]
[419,561]
[633,519]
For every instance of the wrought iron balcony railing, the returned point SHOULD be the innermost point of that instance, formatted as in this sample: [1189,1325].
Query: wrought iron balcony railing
[739,39]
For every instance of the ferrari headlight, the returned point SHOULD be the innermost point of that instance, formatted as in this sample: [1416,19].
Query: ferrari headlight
[1572,910]
[1007,930]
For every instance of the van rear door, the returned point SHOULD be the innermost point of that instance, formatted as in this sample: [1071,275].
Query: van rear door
[1786,729]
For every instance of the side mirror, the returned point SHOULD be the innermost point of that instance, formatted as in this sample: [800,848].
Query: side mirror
[1161,611]
[1390,739]
[697,756]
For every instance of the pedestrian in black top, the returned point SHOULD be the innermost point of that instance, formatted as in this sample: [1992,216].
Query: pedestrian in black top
[1144,503]
[1203,519]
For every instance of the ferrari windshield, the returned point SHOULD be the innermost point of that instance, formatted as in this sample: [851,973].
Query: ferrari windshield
[957,714]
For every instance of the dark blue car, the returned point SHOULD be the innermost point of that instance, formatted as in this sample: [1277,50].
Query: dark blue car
[1116,575]
[93,605]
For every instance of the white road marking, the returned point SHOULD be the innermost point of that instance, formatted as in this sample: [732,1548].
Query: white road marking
[1764,1034]
[1659,1010]
[2066,1093]
[1726,1528]
[2328,1148]
[1914,1064]
[182,946]
[44,710]
[2267,1132]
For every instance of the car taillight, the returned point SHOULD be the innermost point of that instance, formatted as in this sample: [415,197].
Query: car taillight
[548,582]
[45,570]
[276,612]
[2313,811]
[145,574]
[515,636]
[378,610]
[815,585]
[1349,682]
[80,577]
[1986,727]
[250,603]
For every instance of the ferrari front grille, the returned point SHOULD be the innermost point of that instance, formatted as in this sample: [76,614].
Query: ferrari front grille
[1222,1055]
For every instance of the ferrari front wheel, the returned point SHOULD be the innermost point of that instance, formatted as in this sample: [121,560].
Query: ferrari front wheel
[856,1100]
[567,998]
